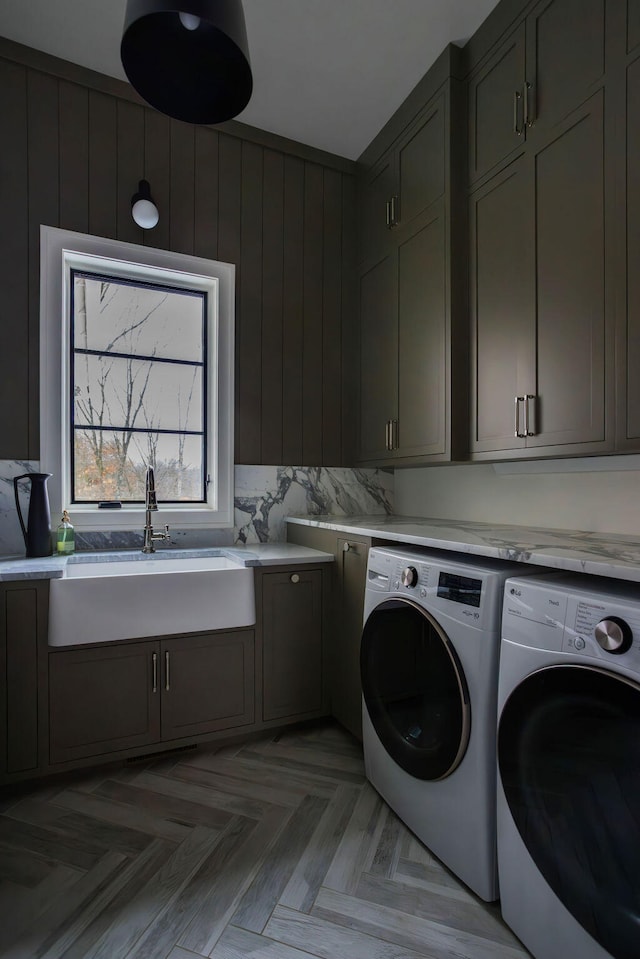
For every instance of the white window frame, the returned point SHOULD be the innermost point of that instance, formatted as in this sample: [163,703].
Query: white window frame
[62,250]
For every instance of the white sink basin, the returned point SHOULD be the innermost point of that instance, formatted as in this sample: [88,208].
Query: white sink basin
[142,567]
[98,602]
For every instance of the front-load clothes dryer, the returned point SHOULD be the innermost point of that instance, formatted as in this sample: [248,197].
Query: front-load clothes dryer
[569,766]
[429,670]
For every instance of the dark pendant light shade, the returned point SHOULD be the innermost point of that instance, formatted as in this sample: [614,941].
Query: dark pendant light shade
[188,58]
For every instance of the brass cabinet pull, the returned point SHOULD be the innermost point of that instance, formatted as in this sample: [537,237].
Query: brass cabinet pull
[394,435]
[295,578]
[527,117]
[388,214]
[166,671]
[387,435]
[518,400]
[530,426]
[394,212]
[517,129]
[154,661]
[528,402]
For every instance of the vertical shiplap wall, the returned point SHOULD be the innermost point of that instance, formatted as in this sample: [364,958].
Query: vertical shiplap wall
[72,157]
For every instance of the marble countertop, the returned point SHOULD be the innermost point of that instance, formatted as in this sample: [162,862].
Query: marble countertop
[599,554]
[256,554]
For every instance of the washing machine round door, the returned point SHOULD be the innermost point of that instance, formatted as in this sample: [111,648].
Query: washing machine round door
[569,759]
[414,689]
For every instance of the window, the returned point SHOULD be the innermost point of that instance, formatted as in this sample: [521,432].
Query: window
[136,371]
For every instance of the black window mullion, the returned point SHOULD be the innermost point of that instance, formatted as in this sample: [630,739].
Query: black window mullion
[138,429]
[204,364]
[141,357]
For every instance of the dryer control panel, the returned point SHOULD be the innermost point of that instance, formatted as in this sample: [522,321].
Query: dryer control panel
[586,616]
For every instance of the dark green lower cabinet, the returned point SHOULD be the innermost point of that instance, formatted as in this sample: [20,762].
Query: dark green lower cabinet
[103,700]
[352,556]
[63,707]
[207,683]
[293,663]
[23,638]
[345,622]
[120,696]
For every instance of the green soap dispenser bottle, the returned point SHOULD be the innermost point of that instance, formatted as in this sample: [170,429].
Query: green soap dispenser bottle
[66,536]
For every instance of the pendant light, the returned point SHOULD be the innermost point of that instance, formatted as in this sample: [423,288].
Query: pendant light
[188,58]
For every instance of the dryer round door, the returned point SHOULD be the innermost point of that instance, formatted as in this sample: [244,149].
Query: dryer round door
[569,759]
[414,689]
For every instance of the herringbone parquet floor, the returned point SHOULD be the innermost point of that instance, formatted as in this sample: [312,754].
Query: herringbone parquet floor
[276,849]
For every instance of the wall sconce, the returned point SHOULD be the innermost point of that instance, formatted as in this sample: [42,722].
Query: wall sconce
[143,209]
[188,58]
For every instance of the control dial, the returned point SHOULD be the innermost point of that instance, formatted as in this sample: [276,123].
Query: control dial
[409,576]
[614,635]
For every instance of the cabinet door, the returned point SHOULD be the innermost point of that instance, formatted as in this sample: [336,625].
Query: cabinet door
[633,25]
[570,283]
[421,165]
[207,683]
[495,107]
[346,692]
[376,191]
[629,339]
[565,59]
[292,643]
[502,306]
[23,626]
[103,700]
[378,357]
[423,373]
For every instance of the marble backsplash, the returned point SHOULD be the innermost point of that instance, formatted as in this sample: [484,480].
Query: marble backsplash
[264,495]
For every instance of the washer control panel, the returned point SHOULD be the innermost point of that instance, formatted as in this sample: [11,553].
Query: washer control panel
[466,590]
[452,586]
[588,615]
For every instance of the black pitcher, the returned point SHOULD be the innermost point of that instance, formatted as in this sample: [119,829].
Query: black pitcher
[37,534]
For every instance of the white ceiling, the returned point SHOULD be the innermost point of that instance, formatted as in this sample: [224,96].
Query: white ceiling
[328,73]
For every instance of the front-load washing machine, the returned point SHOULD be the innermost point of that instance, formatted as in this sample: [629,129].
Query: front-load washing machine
[569,766]
[429,670]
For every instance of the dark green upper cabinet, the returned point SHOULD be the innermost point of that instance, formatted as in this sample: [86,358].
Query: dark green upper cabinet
[633,25]
[633,254]
[627,80]
[546,68]
[502,305]
[377,188]
[420,158]
[565,59]
[378,357]
[409,225]
[403,183]
[495,107]
[541,264]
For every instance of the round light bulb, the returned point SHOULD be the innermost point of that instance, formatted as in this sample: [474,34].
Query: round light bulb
[145,213]
[189,21]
